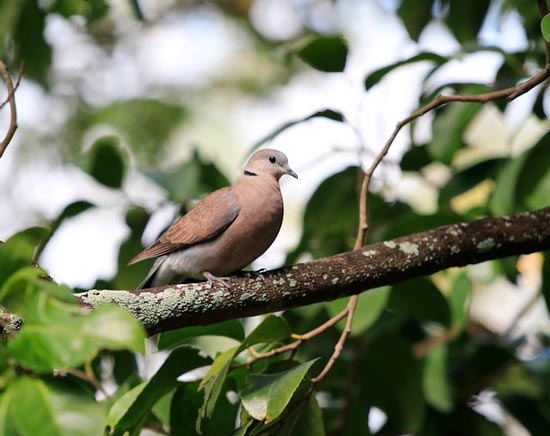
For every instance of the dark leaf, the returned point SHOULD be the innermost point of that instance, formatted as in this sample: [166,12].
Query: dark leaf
[107,164]
[174,338]
[130,411]
[415,158]
[375,77]
[32,46]
[466,17]
[19,250]
[415,15]
[269,394]
[325,53]
[420,300]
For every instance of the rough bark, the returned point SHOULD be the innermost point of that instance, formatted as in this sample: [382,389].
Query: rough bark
[344,274]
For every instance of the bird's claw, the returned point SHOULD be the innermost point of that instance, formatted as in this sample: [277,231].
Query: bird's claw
[212,279]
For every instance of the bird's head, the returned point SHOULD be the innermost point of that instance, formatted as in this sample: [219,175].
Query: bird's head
[269,162]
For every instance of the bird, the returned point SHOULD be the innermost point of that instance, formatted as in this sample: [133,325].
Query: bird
[225,231]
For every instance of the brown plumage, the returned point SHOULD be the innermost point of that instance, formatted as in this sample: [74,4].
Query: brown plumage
[225,231]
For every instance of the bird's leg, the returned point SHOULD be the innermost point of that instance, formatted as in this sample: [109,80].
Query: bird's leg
[211,279]
[259,273]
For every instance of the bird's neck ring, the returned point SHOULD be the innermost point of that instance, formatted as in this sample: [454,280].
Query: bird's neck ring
[249,173]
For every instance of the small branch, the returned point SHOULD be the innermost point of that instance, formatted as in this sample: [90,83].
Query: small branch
[11,100]
[301,339]
[526,308]
[338,276]
[543,11]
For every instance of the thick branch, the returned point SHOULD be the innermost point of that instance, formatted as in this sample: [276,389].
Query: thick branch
[344,274]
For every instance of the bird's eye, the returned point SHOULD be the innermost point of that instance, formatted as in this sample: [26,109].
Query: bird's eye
[272,159]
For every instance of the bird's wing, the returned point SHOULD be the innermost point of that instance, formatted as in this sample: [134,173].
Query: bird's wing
[210,217]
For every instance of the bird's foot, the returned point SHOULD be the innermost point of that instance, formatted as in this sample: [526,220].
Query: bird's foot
[253,274]
[212,279]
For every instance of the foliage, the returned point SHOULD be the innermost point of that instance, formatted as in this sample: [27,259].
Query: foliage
[414,352]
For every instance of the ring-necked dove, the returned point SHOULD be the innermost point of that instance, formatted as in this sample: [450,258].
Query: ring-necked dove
[226,230]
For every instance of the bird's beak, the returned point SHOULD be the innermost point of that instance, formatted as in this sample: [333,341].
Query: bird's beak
[291,173]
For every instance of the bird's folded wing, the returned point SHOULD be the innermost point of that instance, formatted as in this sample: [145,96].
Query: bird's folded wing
[206,220]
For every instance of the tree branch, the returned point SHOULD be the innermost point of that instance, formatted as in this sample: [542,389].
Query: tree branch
[374,265]
[4,72]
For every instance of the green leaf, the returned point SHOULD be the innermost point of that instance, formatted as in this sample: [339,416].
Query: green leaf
[309,420]
[31,398]
[415,158]
[121,406]
[502,201]
[420,300]
[326,113]
[466,17]
[213,381]
[37,408]
[448,130]
[435,382]
[545,27]
[130,414]
[269,394]
[6,423]
[324,53]
[375,77]
[468,178]
[369,307]
[18,251]
[192,179]
[415,16]
[107,163]
[272,328]
[460,291]
[390,379]
[69,342]
[534,178]
[32,47]
[546,279]
[174,338]
[145,124]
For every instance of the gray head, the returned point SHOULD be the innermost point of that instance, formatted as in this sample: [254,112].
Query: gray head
[269,162]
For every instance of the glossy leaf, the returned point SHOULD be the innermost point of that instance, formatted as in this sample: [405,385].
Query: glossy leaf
[193,179]
[415,158]
[428,304]
[108,164]
[74,340]
[435,381]
[369,306]
[173,338]
[325,53]
[390,379]
[269,394]
[545,27]
[375,77]
[18,251]
[466,17]
[129,413]
[458,299]
[448,130]
[546,279]
[272,328]
[415,15]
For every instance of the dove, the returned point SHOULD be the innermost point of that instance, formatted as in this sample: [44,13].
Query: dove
[225,231]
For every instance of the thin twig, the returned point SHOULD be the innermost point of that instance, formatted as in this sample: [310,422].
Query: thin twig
[4,72]
[509,93]
[17,83]
[294,345]
[84,376]
[526,308]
